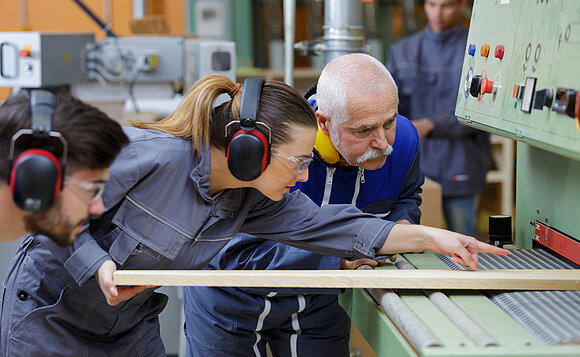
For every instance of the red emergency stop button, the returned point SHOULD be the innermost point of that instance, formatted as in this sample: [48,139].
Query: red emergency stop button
[499,49]
[486,86]
[24,53]
[484,50]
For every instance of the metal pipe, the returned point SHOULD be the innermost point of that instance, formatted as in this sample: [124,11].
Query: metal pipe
[289,36]
[24,15]
[343,30]
[465,323]
[138,9]
[412,327]
[107,11]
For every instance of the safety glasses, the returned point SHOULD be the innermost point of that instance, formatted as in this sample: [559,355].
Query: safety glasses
[295,164]
[88,191]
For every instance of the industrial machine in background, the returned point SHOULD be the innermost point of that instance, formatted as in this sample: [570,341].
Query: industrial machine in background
[148,71]
[35,59]
[521,80]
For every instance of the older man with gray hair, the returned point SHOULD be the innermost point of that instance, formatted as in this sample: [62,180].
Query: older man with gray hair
[357,161]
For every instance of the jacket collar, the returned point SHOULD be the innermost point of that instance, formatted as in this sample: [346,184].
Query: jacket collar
[227,202]
[450,34]
[201,172]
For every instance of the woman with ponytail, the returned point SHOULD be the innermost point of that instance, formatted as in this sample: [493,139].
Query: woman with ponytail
[177,193]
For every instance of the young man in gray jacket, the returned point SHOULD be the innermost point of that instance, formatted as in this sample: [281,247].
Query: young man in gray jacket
[51,184]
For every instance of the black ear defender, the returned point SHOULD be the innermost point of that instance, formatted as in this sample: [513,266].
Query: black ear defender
[37,158]
[248,149]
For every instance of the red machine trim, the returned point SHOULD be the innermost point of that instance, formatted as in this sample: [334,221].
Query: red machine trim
[558,242]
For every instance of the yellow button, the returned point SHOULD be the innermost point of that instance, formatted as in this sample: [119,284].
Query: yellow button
[484,50]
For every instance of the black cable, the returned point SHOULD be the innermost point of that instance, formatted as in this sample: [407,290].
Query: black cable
[101,24]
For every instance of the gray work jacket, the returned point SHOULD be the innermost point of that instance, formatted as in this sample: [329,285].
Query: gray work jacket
[427,68]
[160,216]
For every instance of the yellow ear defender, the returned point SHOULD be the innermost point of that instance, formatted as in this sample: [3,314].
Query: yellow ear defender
[325,149]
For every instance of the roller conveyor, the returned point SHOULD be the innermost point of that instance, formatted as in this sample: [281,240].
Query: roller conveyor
[552,316]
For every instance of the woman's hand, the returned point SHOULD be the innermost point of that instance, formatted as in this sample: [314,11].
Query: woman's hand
[115,294]
[462,249]
[405,238]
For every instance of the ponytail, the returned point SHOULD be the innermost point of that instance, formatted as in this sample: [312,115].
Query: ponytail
[192,118]
[196,119]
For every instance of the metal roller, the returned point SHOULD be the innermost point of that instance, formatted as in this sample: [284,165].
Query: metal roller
[412,327]
[465,323]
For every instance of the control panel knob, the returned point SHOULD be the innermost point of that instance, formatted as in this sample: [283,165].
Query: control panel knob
[543,97]
[486,86]
[565,102]
[475,87]
[500,230]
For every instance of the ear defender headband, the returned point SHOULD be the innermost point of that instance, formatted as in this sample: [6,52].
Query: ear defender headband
[248,149]
[36,174]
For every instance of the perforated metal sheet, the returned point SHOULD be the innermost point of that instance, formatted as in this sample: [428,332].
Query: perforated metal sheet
[552,316]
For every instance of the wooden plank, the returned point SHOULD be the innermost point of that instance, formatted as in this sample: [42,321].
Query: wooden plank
[392,279]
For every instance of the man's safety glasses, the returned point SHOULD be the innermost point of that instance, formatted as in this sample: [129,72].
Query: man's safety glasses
[88,191]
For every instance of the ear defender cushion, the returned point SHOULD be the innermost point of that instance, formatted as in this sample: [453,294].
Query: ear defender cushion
[247,154]
[325,149]
[248,151]
[35,180]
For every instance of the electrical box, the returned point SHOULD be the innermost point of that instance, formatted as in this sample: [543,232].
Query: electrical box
[136,59]
[203,57]
[521,77]
[33,59]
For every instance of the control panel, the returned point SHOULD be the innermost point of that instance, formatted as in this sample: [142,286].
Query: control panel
[32,59]
[521,75]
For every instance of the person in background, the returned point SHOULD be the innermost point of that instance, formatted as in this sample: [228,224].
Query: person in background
[93,141]
[177,193]
[366,155]
[427,67]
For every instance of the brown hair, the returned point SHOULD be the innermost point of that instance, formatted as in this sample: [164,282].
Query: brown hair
[281,107]
[94,139]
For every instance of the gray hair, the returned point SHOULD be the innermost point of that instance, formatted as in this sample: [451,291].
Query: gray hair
[356,71]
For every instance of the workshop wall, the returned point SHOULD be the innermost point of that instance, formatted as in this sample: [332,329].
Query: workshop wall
[67,16]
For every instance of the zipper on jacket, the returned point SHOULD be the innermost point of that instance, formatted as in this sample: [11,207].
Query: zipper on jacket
[328,185]
[360,178]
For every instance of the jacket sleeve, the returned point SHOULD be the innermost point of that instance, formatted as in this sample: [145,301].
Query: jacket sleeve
[246,252]
[286,257]
[409,199]
[338,230]
[85,256]
[446,125]
[82,259]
